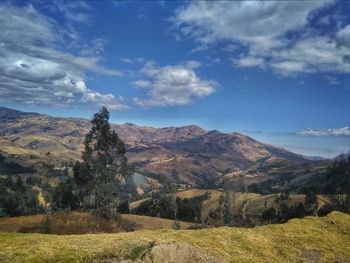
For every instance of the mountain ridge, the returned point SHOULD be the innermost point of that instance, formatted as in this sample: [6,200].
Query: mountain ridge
[187,154]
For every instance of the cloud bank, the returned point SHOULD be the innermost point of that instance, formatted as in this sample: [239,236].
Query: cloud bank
[326,132]
[279,35]
[34,70]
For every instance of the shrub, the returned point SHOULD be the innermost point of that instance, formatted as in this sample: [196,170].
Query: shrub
[176,225]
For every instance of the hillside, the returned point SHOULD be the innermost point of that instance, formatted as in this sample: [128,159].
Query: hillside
[312,239]
[188,154]
[247,207]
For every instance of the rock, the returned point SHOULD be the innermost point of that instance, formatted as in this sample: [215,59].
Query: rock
[177,253]
[310,255]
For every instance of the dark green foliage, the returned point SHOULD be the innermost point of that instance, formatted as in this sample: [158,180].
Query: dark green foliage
[283,213]
[189,209]
[269,215]
[106,199]
[325,210]
[63,196]
[17,197]
[159,205]
[103,161]
[338,186]
[166,206]
[254,188]
[338,180]
[227,210]
[124,207]
[12,168]
[311,203]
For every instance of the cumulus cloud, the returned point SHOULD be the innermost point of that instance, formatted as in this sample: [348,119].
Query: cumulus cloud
[173,85]
[263,29]
[326,132]
[33,70]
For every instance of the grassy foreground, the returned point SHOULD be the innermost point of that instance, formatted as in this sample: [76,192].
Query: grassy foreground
[311,239]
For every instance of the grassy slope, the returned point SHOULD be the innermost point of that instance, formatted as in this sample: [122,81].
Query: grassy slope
[295,241]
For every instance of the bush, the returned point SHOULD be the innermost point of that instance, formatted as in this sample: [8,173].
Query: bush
[176,225]
[74,223]
[325,210]
[66,222]
[18,198]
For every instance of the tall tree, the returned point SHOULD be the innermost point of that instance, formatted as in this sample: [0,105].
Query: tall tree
[103,161]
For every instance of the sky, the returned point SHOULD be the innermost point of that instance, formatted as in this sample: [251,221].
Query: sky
[277,71]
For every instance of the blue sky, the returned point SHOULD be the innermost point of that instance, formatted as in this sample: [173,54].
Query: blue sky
[277,71]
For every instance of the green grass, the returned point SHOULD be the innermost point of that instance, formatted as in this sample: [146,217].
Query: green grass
[295,241]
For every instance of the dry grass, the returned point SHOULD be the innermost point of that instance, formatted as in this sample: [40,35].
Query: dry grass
[191,193]
[81,223]
[295,241]
[148,222]
[14,224]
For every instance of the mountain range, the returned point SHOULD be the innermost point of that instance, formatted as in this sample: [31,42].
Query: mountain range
[188,154]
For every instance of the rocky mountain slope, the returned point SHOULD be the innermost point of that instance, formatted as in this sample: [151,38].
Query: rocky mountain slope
[187,154]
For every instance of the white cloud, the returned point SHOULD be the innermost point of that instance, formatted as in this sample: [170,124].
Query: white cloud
[142,83]
[32,65]
[343,36]
[256,23]
[261,29]
[109,100]
[310,55]
[249,61]
[326,132]
[132,60]
[173,85]
[74,11]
